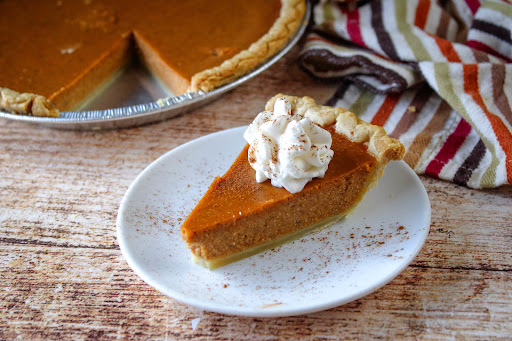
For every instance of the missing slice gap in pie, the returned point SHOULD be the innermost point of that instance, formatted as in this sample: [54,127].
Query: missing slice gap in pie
[57,54]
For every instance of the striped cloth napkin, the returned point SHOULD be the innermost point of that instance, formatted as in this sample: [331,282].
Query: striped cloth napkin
[437,75]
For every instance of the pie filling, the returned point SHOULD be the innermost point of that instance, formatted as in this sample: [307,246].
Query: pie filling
[287,218]
[189,45]
[235,257]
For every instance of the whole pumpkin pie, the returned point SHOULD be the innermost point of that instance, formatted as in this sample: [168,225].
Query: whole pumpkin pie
[55,53]
[242,214]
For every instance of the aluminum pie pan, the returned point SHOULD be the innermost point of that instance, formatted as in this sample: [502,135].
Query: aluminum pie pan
[154,111]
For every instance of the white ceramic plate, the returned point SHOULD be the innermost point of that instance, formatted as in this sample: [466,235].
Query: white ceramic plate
[322,270]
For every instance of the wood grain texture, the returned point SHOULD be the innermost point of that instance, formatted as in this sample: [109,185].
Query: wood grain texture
[63,275]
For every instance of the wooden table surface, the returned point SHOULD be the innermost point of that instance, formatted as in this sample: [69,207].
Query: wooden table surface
[63,275]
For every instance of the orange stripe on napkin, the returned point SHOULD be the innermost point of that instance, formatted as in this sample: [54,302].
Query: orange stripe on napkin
[385,110]
[447,50]
[422,13]
[502,133]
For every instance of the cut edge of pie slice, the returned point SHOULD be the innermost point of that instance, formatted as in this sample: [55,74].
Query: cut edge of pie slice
[290,17]
[238,217]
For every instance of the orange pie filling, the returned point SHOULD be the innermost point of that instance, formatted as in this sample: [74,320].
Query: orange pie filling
[64,50]
[238,217]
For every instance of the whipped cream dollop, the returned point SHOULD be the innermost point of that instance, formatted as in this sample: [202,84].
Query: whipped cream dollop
[287,148]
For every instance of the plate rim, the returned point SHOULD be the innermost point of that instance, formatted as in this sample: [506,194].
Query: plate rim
[251,312]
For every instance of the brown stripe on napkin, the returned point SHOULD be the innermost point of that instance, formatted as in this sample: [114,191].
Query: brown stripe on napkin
[492,29]
[499,96]
[383,36]
[457,125]
[465,171]
[325,63]
[424,137]
[413,110]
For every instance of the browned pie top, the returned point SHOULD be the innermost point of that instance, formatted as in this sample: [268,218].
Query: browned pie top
[46,44]
[237,193]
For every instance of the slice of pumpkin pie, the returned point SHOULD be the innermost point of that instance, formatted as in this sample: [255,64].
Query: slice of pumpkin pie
[305,167]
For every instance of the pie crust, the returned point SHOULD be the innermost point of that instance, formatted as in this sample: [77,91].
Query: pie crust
[287,22]
[292,12]
[380,145]
[238,217]
[26,104]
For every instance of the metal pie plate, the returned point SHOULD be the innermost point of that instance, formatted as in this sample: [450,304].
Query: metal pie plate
[135,97]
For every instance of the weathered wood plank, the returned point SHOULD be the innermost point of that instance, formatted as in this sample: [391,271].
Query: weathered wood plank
[63,275]
[93,292]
